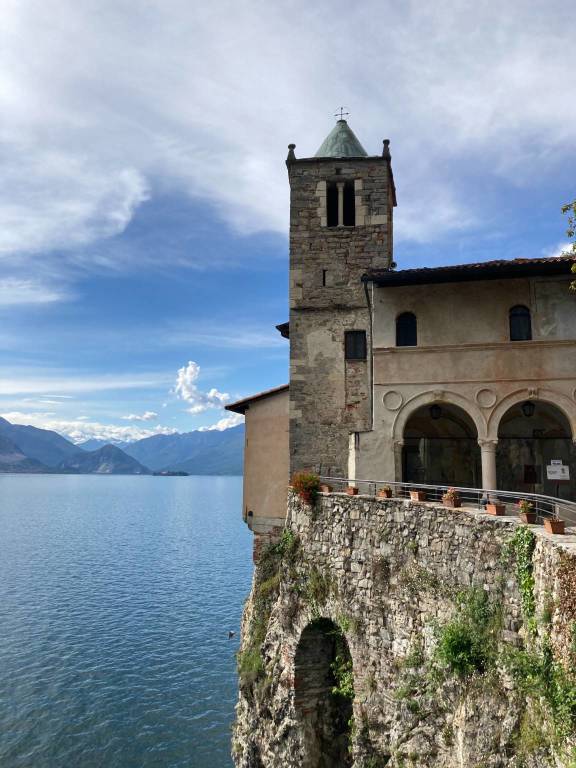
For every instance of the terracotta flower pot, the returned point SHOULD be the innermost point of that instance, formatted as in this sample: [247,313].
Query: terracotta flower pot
[454,503]
[352,491]
[384,493]
[496,509]
[528,517]
[554,526]
[418,495]
[326,488]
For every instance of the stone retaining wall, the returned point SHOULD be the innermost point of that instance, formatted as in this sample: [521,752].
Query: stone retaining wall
[392,574]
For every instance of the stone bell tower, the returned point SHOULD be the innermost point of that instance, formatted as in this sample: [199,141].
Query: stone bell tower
[341,203]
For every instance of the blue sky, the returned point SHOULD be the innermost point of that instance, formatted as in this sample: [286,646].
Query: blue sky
[144,198]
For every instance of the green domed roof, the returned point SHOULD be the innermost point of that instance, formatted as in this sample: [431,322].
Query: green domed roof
[341,142]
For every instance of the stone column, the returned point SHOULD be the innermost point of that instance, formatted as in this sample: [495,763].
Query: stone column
[340,185]
[488,452]
[398,446]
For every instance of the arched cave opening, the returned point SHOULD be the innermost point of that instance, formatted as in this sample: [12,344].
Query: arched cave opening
[323,695]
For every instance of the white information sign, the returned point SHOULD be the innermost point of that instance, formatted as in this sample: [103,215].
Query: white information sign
[555,471]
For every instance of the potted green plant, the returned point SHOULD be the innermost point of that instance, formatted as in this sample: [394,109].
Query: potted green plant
[385,492]
[525,511]
[554,525]
[352,490]
[306,485]
[418,495]
[452,498]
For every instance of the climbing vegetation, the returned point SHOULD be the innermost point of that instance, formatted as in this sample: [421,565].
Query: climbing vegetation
[467,644]
[267,581]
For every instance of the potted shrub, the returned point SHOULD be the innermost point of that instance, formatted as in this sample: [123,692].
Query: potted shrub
[325,488]
[525,511]
[385,492]
[306,485]
[418,495]
[452,498]
[495,508]
[352,490]
[554,525]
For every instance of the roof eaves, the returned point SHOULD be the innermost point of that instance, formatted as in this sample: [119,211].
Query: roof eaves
[241,406]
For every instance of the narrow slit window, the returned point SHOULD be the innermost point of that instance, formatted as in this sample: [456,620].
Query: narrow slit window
[355,345]
[520,324]
[349,205]
[406,330]
[332,205]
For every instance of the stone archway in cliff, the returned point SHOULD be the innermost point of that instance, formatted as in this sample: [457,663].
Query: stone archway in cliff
[325,716]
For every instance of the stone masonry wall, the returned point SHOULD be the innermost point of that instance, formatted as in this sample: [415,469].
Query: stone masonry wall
[395,576]
[329,398]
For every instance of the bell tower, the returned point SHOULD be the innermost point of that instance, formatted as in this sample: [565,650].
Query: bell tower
[341,203]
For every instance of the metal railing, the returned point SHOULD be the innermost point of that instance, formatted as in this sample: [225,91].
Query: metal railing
[475,498]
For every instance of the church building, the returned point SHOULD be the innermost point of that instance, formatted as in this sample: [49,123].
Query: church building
[458,375]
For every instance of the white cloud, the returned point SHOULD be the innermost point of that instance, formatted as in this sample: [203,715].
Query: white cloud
[20,382]
[78,430]
[562,249]
[225,423]
[146,416]
[186,389]
[92,119]
[15,291]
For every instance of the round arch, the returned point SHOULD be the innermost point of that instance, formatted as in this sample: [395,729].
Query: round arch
[430,398]
[535,452]
[440,447]
[557,399]
[322,657]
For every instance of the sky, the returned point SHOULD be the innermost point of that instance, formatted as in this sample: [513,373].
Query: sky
[144,196]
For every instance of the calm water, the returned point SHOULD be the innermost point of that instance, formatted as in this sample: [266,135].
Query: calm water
[116,597]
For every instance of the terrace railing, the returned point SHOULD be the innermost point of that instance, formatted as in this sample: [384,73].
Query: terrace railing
[475,498]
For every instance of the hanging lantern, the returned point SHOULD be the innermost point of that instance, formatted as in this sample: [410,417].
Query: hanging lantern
[528,409]
[435,412]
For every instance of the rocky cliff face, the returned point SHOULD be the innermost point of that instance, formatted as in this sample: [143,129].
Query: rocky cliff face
[390,633]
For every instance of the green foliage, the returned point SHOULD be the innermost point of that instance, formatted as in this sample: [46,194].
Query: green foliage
[307,486]
[267,582]
[317,589]
[570,210]
[522,547]
[467,644]
[342,670]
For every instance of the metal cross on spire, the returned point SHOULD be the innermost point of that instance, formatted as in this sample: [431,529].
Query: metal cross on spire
[340,114]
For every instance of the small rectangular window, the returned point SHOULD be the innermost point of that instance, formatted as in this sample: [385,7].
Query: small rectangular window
[332,205]
[355,345]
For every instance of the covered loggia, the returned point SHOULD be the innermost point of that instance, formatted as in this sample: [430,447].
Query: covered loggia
[323,665]
[441,447]
[534,441]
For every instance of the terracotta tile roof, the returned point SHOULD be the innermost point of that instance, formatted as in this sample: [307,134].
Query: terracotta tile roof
[240,406]
[484,270]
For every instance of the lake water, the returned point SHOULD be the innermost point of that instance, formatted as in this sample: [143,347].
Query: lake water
[116,597]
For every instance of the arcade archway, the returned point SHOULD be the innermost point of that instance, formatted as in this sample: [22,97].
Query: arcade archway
[535,450]
[441,447]
[322,657]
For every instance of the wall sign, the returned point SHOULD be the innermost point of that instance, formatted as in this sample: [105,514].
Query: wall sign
[557,471]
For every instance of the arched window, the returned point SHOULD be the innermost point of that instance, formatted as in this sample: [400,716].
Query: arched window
[331,205]
[520,324]
[406,330]
[349,205]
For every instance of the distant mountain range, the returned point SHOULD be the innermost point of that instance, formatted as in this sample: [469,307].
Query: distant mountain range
[30,449]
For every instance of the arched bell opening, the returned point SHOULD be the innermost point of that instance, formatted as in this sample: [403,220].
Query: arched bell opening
[535,451]
[323,695]
[441,447]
